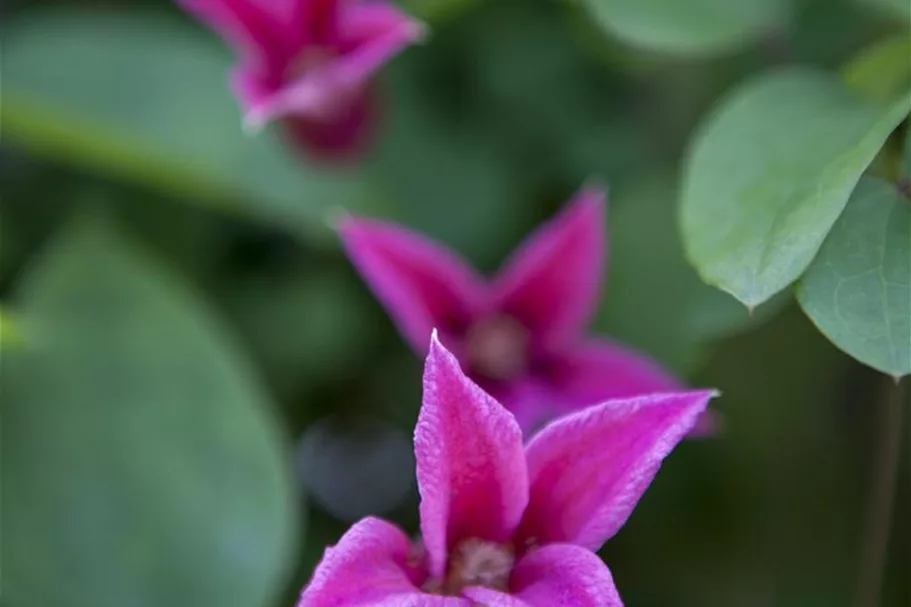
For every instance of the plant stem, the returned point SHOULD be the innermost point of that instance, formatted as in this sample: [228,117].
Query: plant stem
[884,467]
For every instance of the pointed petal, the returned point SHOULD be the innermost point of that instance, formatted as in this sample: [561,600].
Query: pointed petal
[369,566]
[494,598]
[551,282]
[421,284]
[589,469]
[598,370]
[562,574]
[471,467]
[378,32]
[245,24]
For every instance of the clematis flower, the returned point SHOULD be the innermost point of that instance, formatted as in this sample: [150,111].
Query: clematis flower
[309,62]
[519,335]
[504,525]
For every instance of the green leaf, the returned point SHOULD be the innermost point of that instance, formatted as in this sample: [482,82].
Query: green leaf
[769,173]
[141,463]
[688,27]
[906,155]
[899,9]
[437,11]
[858,288]
[654,300]
[881,70]
[148,100]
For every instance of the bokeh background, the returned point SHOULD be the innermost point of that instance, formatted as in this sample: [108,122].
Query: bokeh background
[198,394]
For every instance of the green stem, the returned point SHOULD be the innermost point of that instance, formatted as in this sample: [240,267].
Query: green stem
[887,445]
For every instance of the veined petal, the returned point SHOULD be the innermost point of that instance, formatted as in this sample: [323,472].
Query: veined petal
[246,24]
[376,32]
[368,566]
[552,281]
[494,598]
[562,574]
[588,470]
[598,370]
[471,467]
[421,284]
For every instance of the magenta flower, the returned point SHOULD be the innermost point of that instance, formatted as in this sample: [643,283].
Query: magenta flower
[504,525]
[519,335]
[309,62]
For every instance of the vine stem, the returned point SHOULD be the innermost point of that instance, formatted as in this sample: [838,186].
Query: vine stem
[884,468]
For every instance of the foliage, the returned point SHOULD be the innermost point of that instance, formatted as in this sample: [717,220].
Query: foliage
[176,315]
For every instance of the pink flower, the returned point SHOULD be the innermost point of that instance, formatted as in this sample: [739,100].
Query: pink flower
[504,525]
[519,335]
[309,62]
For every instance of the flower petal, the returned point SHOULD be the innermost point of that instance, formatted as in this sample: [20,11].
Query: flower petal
[245,24]
[368,566]
[421,284]
[375,33]
[588,470]
[563,574]
[494,598]
[598,370]
[471,467]
[551,282]
[341,137]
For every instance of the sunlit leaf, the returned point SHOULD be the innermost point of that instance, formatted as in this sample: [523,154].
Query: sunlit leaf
[858,288]
[769,173]
[146,98]
[882,69]
[142,466]
[688,27]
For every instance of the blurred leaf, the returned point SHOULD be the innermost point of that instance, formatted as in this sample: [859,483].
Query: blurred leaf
[435,11]
[906,155]
[858,288]
[301,328]
[146,98]
[9,330]
[141,464]
[654,300]
[688,27]
[900,9]
[450,183]
[356,467]
[769,173]
[881,70]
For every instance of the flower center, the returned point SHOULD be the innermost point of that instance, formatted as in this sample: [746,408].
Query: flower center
[475,562]
[497,347]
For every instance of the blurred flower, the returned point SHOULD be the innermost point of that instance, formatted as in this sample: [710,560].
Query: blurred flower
[520,335]
[501,524]
[309,62]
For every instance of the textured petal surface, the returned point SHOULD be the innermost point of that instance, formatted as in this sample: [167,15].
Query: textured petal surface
[599,370]
[246,24]
[421,284]
[552,281]
[589,469]
[471,467]
[494,598]
[562,574]
[369,566]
